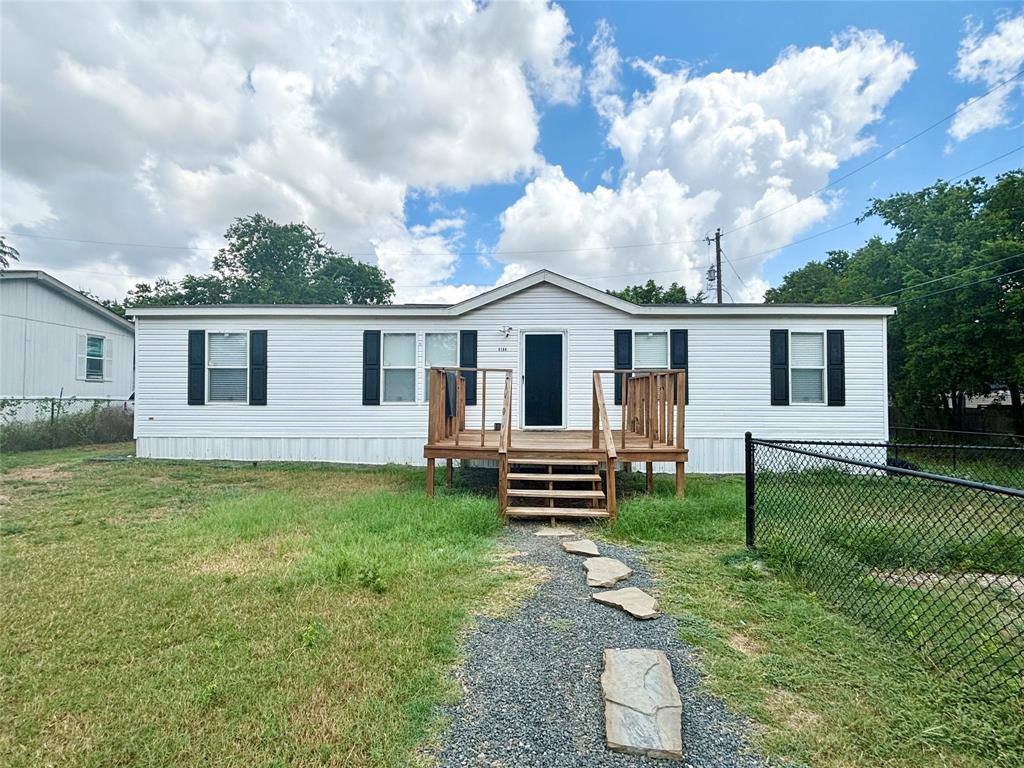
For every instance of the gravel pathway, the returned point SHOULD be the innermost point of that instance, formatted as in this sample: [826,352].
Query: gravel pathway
[532,680]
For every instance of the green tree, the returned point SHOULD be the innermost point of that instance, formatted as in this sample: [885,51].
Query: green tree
[959,329]
[8,253]
[652,293]
[265,262]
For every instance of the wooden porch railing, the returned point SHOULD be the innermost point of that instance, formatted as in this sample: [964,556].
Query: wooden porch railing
[442,426]
[601,427]
[653,406]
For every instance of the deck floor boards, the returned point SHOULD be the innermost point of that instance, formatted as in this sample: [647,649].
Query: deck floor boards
[563,440]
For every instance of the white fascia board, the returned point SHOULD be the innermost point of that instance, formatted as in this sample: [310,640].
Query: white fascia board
[504,291]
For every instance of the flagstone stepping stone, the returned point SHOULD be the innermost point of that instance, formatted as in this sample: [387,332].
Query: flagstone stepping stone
[605,571]
[633,601]
[549,531]
[581,547]
[643,714]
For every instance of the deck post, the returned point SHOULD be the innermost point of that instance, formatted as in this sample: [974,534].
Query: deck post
[680,478]
[430,477]
[448,472]
[595,422]
[681,410]
[609,475]
[650,477]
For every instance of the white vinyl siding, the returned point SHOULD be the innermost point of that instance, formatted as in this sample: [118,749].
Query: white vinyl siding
[399,368]
[807,367]
[650,349]
[317,412]
[439,350]
[43,345]
[227,363]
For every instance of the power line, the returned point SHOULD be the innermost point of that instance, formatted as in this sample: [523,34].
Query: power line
[364,254]
[961,271]
[585,249]
[879,157]
[745,257]
[965,285]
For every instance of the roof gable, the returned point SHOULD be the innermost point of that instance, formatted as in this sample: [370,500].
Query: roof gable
[69,293]
[536,278]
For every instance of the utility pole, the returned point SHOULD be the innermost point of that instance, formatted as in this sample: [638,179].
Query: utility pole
[717,269]
[718,263]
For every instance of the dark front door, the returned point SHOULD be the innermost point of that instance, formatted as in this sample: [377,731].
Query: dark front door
[542,388]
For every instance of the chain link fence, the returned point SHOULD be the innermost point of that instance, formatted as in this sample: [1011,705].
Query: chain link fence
[931,560]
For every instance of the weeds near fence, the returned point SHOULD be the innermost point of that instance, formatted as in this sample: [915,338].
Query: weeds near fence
[933,561]
[56,426]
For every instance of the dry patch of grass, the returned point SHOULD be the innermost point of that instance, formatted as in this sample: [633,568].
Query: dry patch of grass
[788,708]
[43,474]
[519,581]
[265,556]
[741,643]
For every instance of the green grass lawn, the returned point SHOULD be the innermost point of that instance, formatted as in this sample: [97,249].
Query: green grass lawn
[163,613]
[173,613]
[823,690]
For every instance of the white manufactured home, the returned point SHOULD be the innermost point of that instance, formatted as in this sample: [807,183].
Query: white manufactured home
[354,383]
[58,345]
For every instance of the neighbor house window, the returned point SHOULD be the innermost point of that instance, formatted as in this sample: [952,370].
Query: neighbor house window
[94,358]
[399,368]
[807,367]
[441,350]
[650,349]
[227,363]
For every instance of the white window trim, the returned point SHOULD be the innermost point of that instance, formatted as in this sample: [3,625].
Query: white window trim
[822,368]
[424,366]
[209,335]
[102,358]
[668,351]
[415,368]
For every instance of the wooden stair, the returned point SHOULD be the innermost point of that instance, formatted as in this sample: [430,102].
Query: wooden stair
[526,481]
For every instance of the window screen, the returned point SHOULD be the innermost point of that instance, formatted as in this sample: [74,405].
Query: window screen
[228,364]
[807,367]
[399,367]
[650,349]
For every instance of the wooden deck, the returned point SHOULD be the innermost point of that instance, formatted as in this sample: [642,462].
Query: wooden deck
[652,411]
[554,444]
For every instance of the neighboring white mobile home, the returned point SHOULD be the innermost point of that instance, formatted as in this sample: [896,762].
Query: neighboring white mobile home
[349,383]
[58,345]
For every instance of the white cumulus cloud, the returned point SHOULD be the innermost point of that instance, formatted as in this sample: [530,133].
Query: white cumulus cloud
[160,123]
[989,60]
[722,149]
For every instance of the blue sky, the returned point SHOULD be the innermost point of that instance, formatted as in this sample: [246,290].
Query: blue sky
[458,145]
[750,36]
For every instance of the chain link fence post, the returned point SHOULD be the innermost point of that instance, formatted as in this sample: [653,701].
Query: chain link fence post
[748,453]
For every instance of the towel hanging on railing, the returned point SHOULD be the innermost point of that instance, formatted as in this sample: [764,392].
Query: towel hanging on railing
[450,393]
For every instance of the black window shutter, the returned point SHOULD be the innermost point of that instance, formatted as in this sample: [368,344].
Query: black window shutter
[623,359]
[780,367]
[467,359]
[371,367]
[197,367]
[836,368]
[257,367]
[679,352]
